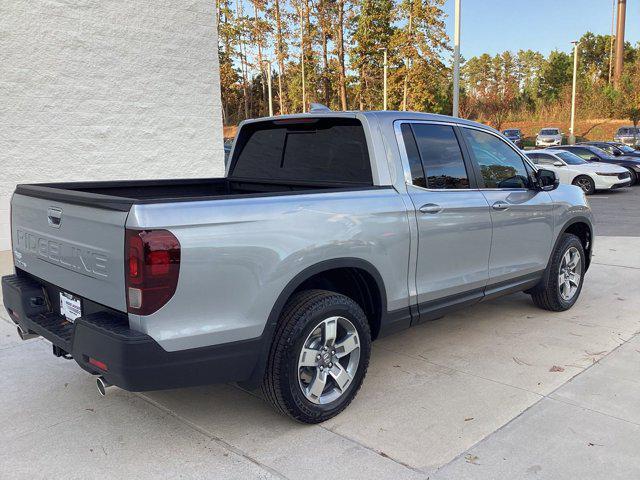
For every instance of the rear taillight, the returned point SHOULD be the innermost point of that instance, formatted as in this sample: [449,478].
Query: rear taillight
[152,263]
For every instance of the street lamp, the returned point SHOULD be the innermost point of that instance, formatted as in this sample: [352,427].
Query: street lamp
[384,84]
[456,60]
[572,135]
[268,63]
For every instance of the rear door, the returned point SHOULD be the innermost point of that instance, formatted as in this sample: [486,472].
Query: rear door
[454,223]
[522,216]
[77,248]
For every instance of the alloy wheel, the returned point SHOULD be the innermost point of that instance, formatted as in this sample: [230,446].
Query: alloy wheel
[329,360]
[570,274]
[584,184]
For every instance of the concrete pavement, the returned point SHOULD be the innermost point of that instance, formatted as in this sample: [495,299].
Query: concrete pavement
[588,428]
[500,390]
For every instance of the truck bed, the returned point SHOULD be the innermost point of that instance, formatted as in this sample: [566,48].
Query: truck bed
[120,195]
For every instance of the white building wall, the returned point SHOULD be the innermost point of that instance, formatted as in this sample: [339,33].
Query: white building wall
[107,89]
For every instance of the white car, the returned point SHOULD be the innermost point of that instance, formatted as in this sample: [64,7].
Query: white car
[571,169]
[549,137]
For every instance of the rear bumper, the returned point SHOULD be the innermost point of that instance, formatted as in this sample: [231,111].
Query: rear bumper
[134,361]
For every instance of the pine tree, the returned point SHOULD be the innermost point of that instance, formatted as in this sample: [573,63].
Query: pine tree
[373,30]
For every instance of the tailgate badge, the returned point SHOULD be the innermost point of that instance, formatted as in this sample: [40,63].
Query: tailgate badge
[54,217]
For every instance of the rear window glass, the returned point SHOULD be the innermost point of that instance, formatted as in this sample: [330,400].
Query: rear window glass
[328,150]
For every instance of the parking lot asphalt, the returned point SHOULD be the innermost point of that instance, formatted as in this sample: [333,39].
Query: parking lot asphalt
[617,212]
[500,390]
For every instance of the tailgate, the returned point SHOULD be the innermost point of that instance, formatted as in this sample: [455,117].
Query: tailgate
[78,248]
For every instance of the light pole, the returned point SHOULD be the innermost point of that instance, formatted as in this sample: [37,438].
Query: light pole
[268,63]
[572,135]
[384,83]
[456,60]
[617,71]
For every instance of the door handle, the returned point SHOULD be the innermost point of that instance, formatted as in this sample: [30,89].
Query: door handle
[500,206]
[430,208]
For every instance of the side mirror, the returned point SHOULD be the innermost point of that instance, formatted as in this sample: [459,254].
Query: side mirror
[593,158]
[558,163]
[617,153]
[547,180]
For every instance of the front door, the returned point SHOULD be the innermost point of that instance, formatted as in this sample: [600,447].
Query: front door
[454,223]
[522,216]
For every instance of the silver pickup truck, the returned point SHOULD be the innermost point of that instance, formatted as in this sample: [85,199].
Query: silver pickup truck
[329,230]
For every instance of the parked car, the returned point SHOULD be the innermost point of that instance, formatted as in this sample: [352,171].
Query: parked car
[515,135]
[329,231]
[595,154]
[549,137]
[629,135]
[615,148]
[573,170]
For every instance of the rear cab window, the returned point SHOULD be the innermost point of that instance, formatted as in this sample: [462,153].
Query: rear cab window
[306,150]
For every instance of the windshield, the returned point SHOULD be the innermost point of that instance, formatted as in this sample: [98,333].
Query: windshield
[511,132]
[625,148]
[601,153]
[571,158]
[627,131]
[549,131]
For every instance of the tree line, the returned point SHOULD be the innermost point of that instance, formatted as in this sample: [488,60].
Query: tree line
[528,85]
[331,52]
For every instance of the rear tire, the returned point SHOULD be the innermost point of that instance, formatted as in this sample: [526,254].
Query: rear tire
[319,356]
[586,183]
[562,282]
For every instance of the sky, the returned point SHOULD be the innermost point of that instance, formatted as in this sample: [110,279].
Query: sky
[492,26]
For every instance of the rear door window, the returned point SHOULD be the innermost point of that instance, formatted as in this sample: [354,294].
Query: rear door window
[438,152]
[545,159]
[325,150]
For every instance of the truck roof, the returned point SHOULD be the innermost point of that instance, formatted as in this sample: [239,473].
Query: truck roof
[379,115]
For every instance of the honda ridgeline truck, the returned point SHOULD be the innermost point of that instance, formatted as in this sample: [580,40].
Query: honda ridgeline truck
[329,230]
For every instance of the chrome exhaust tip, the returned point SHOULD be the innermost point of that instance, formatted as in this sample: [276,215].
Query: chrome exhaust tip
[25,335]
[102,385]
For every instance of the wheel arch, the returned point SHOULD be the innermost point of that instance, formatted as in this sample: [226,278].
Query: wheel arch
[582,228]
[367,281]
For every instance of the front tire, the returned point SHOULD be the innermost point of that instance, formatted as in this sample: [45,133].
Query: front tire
[633,176]
[586,183]
[319,356]
[562,282]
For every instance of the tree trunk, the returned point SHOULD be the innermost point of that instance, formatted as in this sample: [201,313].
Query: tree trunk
[283,107]
[304,93]
[342,75]
[326,82]
[243,61]
[405,90]
[257,35]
